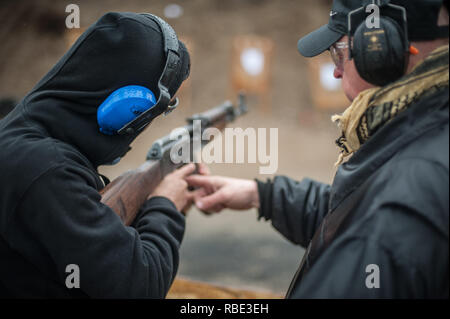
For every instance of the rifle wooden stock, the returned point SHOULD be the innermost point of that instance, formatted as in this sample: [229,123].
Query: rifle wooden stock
[128,192]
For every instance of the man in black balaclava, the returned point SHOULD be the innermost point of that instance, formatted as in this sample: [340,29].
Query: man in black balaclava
[51,217]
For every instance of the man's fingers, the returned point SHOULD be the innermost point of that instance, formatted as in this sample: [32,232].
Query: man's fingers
[215,209]
[196,194]
[185,170]
[214,200]
[203,169]
[200,181]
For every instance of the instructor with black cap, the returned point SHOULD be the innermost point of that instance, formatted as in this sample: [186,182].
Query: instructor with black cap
[57,240]
[381,230]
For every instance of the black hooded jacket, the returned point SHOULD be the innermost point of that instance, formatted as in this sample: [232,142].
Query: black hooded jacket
[388,206]
[50,147]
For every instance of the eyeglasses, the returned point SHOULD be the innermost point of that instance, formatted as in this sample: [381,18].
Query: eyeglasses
[337,54]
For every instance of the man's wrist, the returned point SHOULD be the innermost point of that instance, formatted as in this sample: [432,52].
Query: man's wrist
[265,199]
[255,195]
[161,199]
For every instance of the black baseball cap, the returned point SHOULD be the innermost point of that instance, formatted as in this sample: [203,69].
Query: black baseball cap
[422,18]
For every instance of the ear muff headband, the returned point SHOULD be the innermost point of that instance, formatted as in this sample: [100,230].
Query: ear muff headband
[171,48]
[113,115]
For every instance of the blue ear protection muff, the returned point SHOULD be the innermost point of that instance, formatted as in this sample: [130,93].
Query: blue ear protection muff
[131,108]
[123,106]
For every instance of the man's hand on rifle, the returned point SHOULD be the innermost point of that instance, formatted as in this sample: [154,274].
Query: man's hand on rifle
[175,188]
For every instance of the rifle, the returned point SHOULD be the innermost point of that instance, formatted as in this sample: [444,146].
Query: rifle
[128,192]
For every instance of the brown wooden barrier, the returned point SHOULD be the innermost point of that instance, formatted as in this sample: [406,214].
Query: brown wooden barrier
[188,289]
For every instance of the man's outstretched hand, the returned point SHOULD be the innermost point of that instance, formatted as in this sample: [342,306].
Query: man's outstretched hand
[215,193]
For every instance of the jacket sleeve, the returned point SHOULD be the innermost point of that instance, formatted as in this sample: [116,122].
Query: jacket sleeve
[295,208]
[64,222]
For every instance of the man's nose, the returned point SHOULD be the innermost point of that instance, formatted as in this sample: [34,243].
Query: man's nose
[337,73]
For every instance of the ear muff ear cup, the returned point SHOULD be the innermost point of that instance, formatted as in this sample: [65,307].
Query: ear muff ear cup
[122,106]
[130,109]
[380,53]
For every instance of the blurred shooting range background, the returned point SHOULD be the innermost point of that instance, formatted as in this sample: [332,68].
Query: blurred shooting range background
[234,45]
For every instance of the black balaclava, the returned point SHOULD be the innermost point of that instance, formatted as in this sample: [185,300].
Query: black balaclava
[120,49]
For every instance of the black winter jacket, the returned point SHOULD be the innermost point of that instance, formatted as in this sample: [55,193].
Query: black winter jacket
[388,206]
[50,147]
